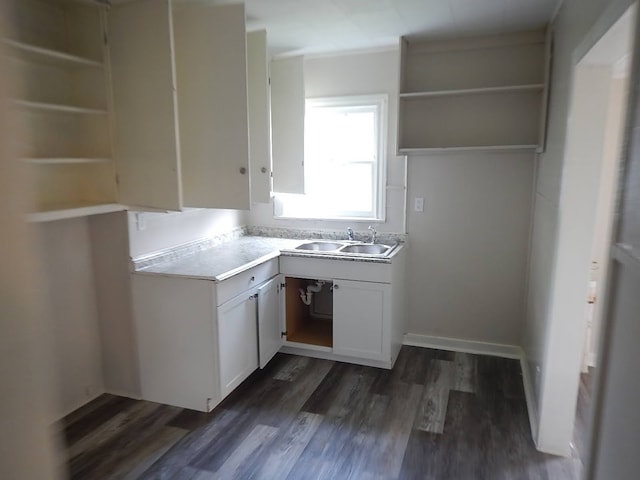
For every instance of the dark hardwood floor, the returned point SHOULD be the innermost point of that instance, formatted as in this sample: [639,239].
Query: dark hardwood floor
[436,415]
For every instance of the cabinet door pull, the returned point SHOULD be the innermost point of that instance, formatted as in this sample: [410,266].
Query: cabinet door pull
[336,286]
[243,170]
[252,279]
[263,169]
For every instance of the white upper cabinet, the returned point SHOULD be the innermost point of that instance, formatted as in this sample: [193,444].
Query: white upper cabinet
[180,96]
[143,77]
[259,116]
[211,65]
[287,120]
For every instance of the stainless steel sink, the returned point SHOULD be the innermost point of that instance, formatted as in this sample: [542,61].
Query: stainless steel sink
[320,246]
[368,248]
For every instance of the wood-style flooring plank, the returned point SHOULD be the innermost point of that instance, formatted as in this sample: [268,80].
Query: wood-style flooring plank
[106,431]
[102,461]
[346,413]
[288,448]
[393,434]
[433,405]
[465,374]
[292,369]
[190,446]
[91,416]
[241,463]
[148,453]
[305,418]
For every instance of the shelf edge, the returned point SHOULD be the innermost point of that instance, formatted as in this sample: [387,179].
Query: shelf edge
[52,215]
[533,87]
[488,148]
[52,54]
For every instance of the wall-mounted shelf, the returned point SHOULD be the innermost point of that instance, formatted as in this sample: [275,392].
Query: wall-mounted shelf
[484,148]
[536,87]
[484,94]
[64,160]
[58,54]
[63,211]
[36,54]
[56,108]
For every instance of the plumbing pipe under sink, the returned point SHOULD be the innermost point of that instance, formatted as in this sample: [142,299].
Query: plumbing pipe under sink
[311,289]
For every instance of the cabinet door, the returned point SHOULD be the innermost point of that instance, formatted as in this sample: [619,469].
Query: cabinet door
[237,340]
[361,313]
[143,80]
[287,124]
[269,331]
[259,116]
[211,66]
[176,338]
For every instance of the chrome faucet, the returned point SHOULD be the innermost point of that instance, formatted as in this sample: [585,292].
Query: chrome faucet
[373,233]
[350,233]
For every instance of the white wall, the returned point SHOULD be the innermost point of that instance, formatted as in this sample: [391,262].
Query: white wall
[469,246]
[26,449]
[110,261]
[606,202]
[71,315]
[165,230]
[353,74]
[545,334]
[618,426]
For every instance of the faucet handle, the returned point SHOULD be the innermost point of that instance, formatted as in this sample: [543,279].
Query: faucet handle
[350,233]
[373,231]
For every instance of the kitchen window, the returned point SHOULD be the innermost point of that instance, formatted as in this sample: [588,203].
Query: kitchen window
[344,160]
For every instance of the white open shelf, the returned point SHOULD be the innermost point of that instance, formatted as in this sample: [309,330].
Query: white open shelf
[484,148]
[536,87]
[64,160]
[57,108]
[38,54]
[478,94]
[62,211]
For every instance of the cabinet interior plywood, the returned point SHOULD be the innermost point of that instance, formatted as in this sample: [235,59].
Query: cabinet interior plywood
[302,327]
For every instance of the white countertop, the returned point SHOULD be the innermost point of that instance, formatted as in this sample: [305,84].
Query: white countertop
[225,260]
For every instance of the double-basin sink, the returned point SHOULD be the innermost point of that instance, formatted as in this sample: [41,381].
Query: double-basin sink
[346,247]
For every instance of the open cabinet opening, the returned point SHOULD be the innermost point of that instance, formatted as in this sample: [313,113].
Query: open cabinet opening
[309,311]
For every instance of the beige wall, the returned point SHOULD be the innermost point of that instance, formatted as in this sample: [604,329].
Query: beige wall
[469,246]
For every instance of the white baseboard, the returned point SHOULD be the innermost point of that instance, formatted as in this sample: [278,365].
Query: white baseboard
[465,346]
[485,348]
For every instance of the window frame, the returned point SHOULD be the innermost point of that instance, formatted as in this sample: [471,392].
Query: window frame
[379,102]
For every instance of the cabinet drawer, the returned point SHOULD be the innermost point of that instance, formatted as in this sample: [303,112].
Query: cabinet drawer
[243,281]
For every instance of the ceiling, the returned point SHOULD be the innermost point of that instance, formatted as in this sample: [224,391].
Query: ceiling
[318,26]
[297,27]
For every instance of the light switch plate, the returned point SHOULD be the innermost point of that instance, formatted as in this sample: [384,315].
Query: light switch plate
[418,204]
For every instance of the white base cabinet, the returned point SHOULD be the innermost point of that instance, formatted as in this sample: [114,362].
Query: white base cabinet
[238,352]
[366,321]
[361,319]
[177,335]
[198,339]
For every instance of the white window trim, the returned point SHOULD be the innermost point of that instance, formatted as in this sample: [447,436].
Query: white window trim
[381,102]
